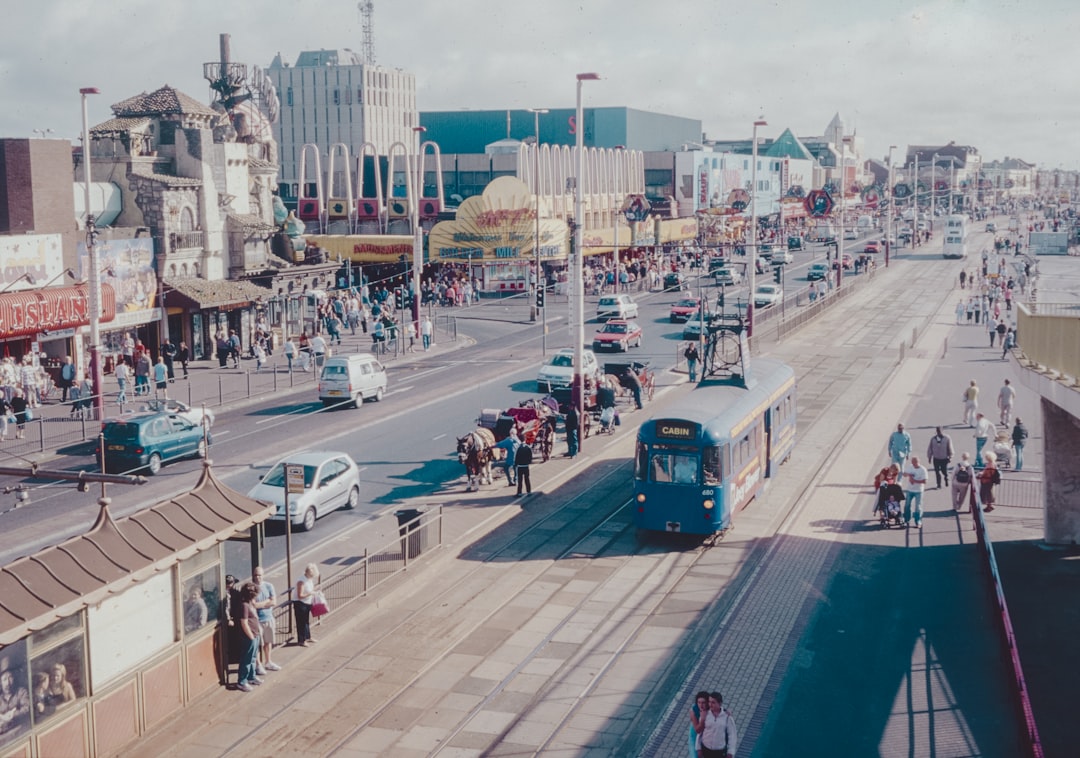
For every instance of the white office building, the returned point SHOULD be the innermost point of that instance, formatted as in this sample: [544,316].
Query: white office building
[332,96]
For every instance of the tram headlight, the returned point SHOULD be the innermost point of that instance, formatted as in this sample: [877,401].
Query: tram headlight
[708,504]
[641,497]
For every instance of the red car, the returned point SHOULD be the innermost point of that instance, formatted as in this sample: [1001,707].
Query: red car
[617,335]
[846,260]
[872,247]
[684,309]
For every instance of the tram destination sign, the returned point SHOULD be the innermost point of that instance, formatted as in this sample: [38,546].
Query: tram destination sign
[671,429]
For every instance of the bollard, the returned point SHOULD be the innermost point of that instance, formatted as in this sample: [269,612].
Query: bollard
[189,392]
[945,348]
[903,351]
[220,392]
[914,336]
[247,376]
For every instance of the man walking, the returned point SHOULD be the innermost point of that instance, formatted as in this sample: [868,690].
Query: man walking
[168,352]
[971,403]
[692,357]
[1019,439]
[425,332]
[718,737]
[984,429]
[899,445]
[940,452]
[1006,396]
[522,461]
[914,483]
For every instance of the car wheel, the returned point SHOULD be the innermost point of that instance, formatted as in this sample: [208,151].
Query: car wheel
[201,452]
[309,520]
[354,499]
[379,394]
[154,464]
[358,400]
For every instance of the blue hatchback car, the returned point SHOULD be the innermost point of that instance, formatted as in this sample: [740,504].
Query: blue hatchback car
[149,440]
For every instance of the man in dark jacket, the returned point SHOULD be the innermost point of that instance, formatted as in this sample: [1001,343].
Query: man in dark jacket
[940,451]
[522,461]
[1019,438]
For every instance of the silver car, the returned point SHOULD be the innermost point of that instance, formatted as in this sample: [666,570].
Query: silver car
[331,481]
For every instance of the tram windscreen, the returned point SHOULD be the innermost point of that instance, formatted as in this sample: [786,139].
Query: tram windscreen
[673,465]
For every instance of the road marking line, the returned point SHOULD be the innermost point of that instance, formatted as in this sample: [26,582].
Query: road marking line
[438,437]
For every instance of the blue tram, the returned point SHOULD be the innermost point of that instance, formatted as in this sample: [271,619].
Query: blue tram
[709,456]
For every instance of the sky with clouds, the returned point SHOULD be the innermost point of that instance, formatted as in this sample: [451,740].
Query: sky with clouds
[990,73]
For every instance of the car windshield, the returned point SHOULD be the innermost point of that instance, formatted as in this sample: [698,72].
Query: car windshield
[276,476]
[614,328]
[121,432]
[687,303]
[608,301]
[561,360]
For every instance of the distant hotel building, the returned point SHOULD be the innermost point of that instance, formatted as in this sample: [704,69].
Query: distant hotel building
[331,96]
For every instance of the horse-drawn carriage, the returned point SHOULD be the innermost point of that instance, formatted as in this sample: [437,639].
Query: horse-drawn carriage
[534,421]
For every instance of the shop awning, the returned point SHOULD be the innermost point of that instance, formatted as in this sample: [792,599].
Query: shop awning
[201,294]
[32,312]
[61,580]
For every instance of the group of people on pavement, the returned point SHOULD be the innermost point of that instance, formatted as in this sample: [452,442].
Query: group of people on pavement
[973,481]
[249,615]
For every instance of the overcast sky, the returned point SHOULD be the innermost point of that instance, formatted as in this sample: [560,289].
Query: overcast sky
[996,74]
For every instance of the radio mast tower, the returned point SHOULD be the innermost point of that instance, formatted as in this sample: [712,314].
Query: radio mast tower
[367,14]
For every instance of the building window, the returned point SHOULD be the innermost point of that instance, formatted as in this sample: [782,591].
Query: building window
[288,97]
[337,97]
[359,95]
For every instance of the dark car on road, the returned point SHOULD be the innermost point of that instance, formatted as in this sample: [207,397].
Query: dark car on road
[673,281]
[147,441]
[794,242]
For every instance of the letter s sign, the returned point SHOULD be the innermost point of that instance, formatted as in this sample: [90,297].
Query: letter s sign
[572,121]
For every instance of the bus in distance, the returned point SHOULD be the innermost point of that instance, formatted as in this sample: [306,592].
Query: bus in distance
[956,232]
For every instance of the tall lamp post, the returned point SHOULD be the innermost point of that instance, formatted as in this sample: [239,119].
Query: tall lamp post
[537,309]
[94,277]
[418,233]
[890,233]
[577,261]
[933,190]
[753,230]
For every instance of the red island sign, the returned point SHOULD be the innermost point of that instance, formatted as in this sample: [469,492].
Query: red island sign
[35,311]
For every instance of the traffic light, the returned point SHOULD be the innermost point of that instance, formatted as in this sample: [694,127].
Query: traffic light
[776,273]
[720,298]
[399,297]
[539,297]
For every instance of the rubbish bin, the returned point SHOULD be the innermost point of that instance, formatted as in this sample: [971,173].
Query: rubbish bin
[412,532]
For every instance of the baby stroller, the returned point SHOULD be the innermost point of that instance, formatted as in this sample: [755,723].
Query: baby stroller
[1003,450]
[889,507]
[609,419]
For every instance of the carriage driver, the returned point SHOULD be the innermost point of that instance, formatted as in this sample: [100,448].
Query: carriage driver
[510,444]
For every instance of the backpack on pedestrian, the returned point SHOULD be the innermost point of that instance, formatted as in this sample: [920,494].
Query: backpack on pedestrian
[962,475]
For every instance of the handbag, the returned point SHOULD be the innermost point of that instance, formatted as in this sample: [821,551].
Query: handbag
[319,606]
[29,415]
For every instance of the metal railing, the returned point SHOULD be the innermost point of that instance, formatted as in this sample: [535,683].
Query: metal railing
[417,536]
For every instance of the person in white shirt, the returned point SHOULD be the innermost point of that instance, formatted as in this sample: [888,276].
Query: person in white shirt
[915,477]
[718,738]
[318,349]
[984,430]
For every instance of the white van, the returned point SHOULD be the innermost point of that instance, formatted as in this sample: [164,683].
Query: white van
[865,223]
[352,378]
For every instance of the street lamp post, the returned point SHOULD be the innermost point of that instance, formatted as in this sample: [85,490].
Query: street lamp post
[578,259]
[915,203]
[840,235]
[890,233]
[753,230]
[94,277]
[418,234]
[933,190]
[536,311]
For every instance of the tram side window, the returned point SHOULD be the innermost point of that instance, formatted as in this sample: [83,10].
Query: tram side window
[712,465]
